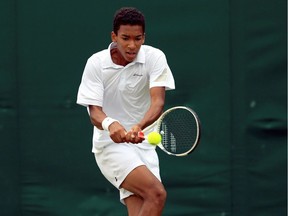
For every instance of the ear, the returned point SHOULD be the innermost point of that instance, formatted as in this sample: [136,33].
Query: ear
[113,37]
[143,39]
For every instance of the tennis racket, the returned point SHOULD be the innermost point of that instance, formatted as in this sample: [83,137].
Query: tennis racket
[180,130]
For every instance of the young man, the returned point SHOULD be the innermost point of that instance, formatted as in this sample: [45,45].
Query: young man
[124,89]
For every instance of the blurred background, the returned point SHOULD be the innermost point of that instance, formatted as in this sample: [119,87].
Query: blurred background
[229,60]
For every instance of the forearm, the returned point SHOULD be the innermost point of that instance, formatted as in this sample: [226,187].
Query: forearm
[97,116]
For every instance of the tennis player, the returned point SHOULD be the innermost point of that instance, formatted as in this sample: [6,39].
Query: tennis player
[123,88]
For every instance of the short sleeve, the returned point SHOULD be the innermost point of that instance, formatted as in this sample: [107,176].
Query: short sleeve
[91,89]
[160,73]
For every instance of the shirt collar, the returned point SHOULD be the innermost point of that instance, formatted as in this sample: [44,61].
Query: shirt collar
[140,58]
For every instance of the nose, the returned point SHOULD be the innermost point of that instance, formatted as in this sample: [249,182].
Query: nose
[132,44]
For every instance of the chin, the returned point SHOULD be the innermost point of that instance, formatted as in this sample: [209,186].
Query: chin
[129,60]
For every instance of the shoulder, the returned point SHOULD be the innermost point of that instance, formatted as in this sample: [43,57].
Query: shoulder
[150,50]
[153,55]
[101,55]
[100,59]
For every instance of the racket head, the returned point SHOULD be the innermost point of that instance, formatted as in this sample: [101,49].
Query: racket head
[180,130]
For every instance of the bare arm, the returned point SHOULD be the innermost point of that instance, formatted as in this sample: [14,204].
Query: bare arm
[97,116]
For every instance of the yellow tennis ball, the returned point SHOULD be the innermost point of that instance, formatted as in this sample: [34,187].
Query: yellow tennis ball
[154,138]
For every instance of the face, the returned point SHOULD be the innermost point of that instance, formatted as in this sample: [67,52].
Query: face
[129,40]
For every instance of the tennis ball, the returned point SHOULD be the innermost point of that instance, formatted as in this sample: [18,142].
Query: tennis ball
[154,138]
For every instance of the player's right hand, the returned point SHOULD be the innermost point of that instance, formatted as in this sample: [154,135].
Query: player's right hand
[117,132]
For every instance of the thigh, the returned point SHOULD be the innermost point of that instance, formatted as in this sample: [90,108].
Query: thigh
[117,161]
[140,181]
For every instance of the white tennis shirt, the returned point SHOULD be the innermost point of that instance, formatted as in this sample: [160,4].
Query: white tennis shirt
[123,91]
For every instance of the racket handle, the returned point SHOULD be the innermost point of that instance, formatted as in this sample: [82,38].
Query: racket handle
[141,134]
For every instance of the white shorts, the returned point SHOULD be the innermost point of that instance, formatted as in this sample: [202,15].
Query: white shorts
[116,161]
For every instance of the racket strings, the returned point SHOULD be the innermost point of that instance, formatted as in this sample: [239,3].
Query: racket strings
[179,131]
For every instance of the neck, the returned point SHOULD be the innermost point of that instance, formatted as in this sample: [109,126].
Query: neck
[116,56]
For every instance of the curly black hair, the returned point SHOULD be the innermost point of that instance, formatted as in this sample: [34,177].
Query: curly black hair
[128,16]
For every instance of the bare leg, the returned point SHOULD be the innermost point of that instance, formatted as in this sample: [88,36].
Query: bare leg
[134,204]
[150,194]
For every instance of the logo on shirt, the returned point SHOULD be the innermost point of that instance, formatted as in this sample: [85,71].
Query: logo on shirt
[139,75]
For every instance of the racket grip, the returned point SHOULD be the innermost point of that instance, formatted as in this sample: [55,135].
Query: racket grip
[141,134]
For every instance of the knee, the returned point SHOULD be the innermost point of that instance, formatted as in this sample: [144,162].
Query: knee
[162,195]
[158,195]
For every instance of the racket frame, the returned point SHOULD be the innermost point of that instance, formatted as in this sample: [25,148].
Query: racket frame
[157,125]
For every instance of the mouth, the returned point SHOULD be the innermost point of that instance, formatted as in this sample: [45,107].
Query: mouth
[131,55]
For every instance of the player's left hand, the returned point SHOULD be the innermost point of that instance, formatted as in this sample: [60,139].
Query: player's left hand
[132,135]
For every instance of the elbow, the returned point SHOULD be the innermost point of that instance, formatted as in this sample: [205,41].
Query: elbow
[158,107]
[160,103]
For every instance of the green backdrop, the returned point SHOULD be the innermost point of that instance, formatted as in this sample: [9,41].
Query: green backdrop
[229,60]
